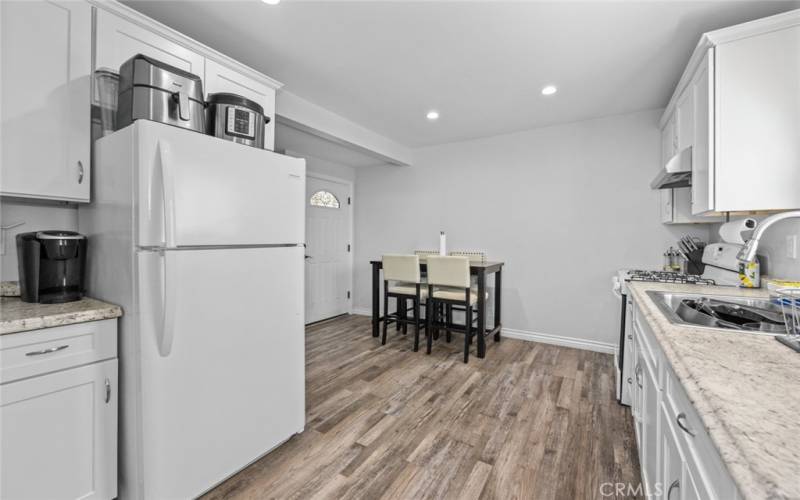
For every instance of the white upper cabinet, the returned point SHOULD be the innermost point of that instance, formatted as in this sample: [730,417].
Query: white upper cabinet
[678,134]
[701,86]
[118,39]
[744,83]
[122,33]
[757,103]
[45,60]
[220,78]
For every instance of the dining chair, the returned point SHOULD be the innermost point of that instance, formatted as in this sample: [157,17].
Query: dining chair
[473,256]
[449,284]
[402,281]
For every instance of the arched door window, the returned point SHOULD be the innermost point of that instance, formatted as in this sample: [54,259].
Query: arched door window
[324,199]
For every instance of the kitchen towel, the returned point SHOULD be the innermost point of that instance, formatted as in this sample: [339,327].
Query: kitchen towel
[731,232]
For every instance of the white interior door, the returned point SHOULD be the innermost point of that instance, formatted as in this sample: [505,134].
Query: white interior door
[328,252]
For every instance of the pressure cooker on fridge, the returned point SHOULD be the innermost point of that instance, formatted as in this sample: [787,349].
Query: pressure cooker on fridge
[236,118]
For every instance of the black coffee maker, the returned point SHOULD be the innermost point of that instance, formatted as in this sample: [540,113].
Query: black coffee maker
[51,266]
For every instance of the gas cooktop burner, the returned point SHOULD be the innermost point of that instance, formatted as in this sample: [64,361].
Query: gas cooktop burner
[668,277]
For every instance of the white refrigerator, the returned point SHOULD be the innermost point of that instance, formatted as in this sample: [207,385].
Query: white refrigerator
[200,241]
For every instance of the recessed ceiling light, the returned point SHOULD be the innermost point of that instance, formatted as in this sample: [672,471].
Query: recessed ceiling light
[271,2]
[549,90]
[432,115]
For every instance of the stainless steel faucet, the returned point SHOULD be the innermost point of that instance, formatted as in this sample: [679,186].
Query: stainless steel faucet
[748,251]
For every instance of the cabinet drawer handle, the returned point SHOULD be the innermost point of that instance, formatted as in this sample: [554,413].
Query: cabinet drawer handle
[108,390]
[679,419]
[80,172]
[675,484]
[47,351]
[630,380]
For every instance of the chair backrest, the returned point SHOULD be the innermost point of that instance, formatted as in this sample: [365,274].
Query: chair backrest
[423,254]
[401,268]
[448,271]
[475,256]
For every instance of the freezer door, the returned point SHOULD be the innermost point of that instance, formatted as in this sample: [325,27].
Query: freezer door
[222,362]
[195,189]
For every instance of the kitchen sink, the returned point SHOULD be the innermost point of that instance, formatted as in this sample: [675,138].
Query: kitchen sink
[750,315]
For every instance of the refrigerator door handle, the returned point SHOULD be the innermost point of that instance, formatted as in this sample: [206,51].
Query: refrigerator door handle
[167,193]
[168,305]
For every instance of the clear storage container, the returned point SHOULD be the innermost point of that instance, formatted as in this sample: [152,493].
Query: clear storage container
[104,104]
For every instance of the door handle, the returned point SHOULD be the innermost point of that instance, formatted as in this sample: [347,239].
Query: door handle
[168,307]
[680,420]
[168,195]
[80,172]
[108,390]
[675,484]
[638,373]
[183,104]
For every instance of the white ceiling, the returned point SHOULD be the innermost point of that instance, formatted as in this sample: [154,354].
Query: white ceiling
[481,64]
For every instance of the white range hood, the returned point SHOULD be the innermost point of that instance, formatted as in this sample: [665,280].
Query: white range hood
[676,173]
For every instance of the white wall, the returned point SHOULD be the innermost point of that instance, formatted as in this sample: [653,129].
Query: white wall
[563,206]
[329,168]
[37,216]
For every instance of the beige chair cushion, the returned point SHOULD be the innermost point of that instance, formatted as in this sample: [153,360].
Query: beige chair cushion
[409,289]
[449,293]
[448,271]
[398,267]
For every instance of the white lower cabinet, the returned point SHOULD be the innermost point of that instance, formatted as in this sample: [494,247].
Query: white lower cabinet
[671,459]
[677,457]
[58,428]
[650,428]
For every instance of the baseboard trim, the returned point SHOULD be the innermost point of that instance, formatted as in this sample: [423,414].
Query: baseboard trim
[546,338]
[362,311]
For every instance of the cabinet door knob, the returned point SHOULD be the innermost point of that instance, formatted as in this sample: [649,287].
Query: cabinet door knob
[108,390]
[80,172]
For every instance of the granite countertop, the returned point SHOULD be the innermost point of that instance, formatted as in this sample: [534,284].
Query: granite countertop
[18,316]
[745,388]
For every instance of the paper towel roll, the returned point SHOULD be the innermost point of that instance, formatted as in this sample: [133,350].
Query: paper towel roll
[731,232]
[442,243]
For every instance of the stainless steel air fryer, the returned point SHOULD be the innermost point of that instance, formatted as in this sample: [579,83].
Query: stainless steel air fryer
[236,118]
[156,91]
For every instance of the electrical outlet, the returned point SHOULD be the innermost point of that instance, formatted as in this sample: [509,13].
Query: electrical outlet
[791,246]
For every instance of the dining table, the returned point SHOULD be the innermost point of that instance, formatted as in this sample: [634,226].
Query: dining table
[479,269]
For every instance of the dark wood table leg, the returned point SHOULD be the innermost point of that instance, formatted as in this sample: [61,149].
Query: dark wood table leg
[376,276]
[498,295]
[481,313]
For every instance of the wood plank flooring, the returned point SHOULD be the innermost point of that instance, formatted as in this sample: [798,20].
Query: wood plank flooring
[529,421]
